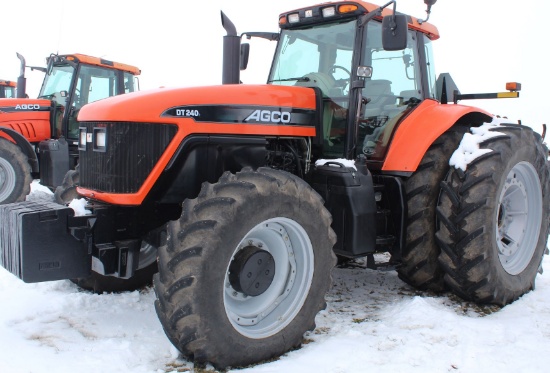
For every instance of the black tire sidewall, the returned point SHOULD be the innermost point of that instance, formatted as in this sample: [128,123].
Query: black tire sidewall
[221,331]
[524,281]
[19,162]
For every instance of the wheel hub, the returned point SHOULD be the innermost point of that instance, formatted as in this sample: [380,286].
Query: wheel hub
[252,270]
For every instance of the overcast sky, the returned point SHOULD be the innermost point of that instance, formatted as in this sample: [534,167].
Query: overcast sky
[483,44]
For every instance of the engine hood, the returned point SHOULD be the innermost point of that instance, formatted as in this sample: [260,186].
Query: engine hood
[161,104]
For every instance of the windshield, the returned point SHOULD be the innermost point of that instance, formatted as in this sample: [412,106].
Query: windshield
[317,56]
[57,81]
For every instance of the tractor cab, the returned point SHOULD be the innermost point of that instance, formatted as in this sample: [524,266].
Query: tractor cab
[74,80]
[7,89]
[365,85]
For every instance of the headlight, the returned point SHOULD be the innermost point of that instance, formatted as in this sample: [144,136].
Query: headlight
[82,138]
[100,139]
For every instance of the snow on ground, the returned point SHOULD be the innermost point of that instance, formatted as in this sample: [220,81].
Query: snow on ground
[373,323]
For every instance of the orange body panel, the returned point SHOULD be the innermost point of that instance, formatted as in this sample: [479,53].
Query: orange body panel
[7,83]
[104,63]
[419,130]
[29,117]
[147,106]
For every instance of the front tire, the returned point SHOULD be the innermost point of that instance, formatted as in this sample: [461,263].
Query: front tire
[245,270]
[15,173]
[495,218]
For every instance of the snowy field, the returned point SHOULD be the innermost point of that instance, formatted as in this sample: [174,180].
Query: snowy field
[373,323]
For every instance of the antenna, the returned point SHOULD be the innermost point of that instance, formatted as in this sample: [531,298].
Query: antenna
[429,3]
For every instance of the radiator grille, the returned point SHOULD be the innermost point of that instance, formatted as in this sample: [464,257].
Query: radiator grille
[131,151]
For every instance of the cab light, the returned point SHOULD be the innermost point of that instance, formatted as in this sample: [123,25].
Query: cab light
[309,13]
[348,8]
[282,20]
[293,18]
[329,12]
[513,86]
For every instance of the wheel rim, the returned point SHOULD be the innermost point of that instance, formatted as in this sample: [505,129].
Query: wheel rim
[7,179]
[266,314]
[519,218]
[147,255]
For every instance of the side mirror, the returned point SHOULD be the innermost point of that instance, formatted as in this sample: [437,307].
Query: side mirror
[394,32]
[245,52]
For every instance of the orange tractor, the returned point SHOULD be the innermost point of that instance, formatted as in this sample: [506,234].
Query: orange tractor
[245,195]
[7,89]
[39,137]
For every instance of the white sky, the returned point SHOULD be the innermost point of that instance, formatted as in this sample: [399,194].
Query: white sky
[483,44]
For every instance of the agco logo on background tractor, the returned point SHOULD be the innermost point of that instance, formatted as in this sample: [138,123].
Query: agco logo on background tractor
[27,107]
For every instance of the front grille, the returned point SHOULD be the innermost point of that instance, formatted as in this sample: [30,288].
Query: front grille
[131,151]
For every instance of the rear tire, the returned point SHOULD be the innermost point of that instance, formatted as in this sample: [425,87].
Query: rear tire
[495,218]
[205,306]
[15,173]
[420,266]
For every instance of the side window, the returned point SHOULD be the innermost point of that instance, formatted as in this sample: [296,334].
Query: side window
[394,85]
[129,83]
[431,67]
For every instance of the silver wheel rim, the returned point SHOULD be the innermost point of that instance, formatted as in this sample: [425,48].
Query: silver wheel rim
[7,179]
[268,313]
[519,218]
[147,255]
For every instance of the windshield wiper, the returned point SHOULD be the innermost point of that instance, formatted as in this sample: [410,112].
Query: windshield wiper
[299,79]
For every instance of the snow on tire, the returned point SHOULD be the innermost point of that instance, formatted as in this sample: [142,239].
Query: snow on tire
[15,173]
[495,218]
[245,270]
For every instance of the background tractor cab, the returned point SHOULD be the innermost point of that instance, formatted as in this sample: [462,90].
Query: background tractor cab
[72,81]
[7,89]
[44,130]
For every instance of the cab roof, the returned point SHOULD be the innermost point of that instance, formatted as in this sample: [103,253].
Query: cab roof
[346,9]
[90,60]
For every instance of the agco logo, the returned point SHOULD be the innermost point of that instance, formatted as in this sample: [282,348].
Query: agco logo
[27,107]
[269,116]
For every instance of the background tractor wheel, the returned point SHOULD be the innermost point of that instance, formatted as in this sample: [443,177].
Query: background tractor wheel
[97,283]
[15,173]
[245,270]
[66,192]
[143,276]
[420,267]
[495,218]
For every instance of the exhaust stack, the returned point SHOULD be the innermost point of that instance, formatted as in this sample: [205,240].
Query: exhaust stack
[231,53]
[21,80]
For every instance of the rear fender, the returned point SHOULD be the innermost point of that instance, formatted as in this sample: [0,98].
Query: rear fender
[23,144]
[422,127]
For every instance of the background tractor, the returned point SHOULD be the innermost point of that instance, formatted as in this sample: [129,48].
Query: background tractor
[244,195]
[7,88]
[38,137]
